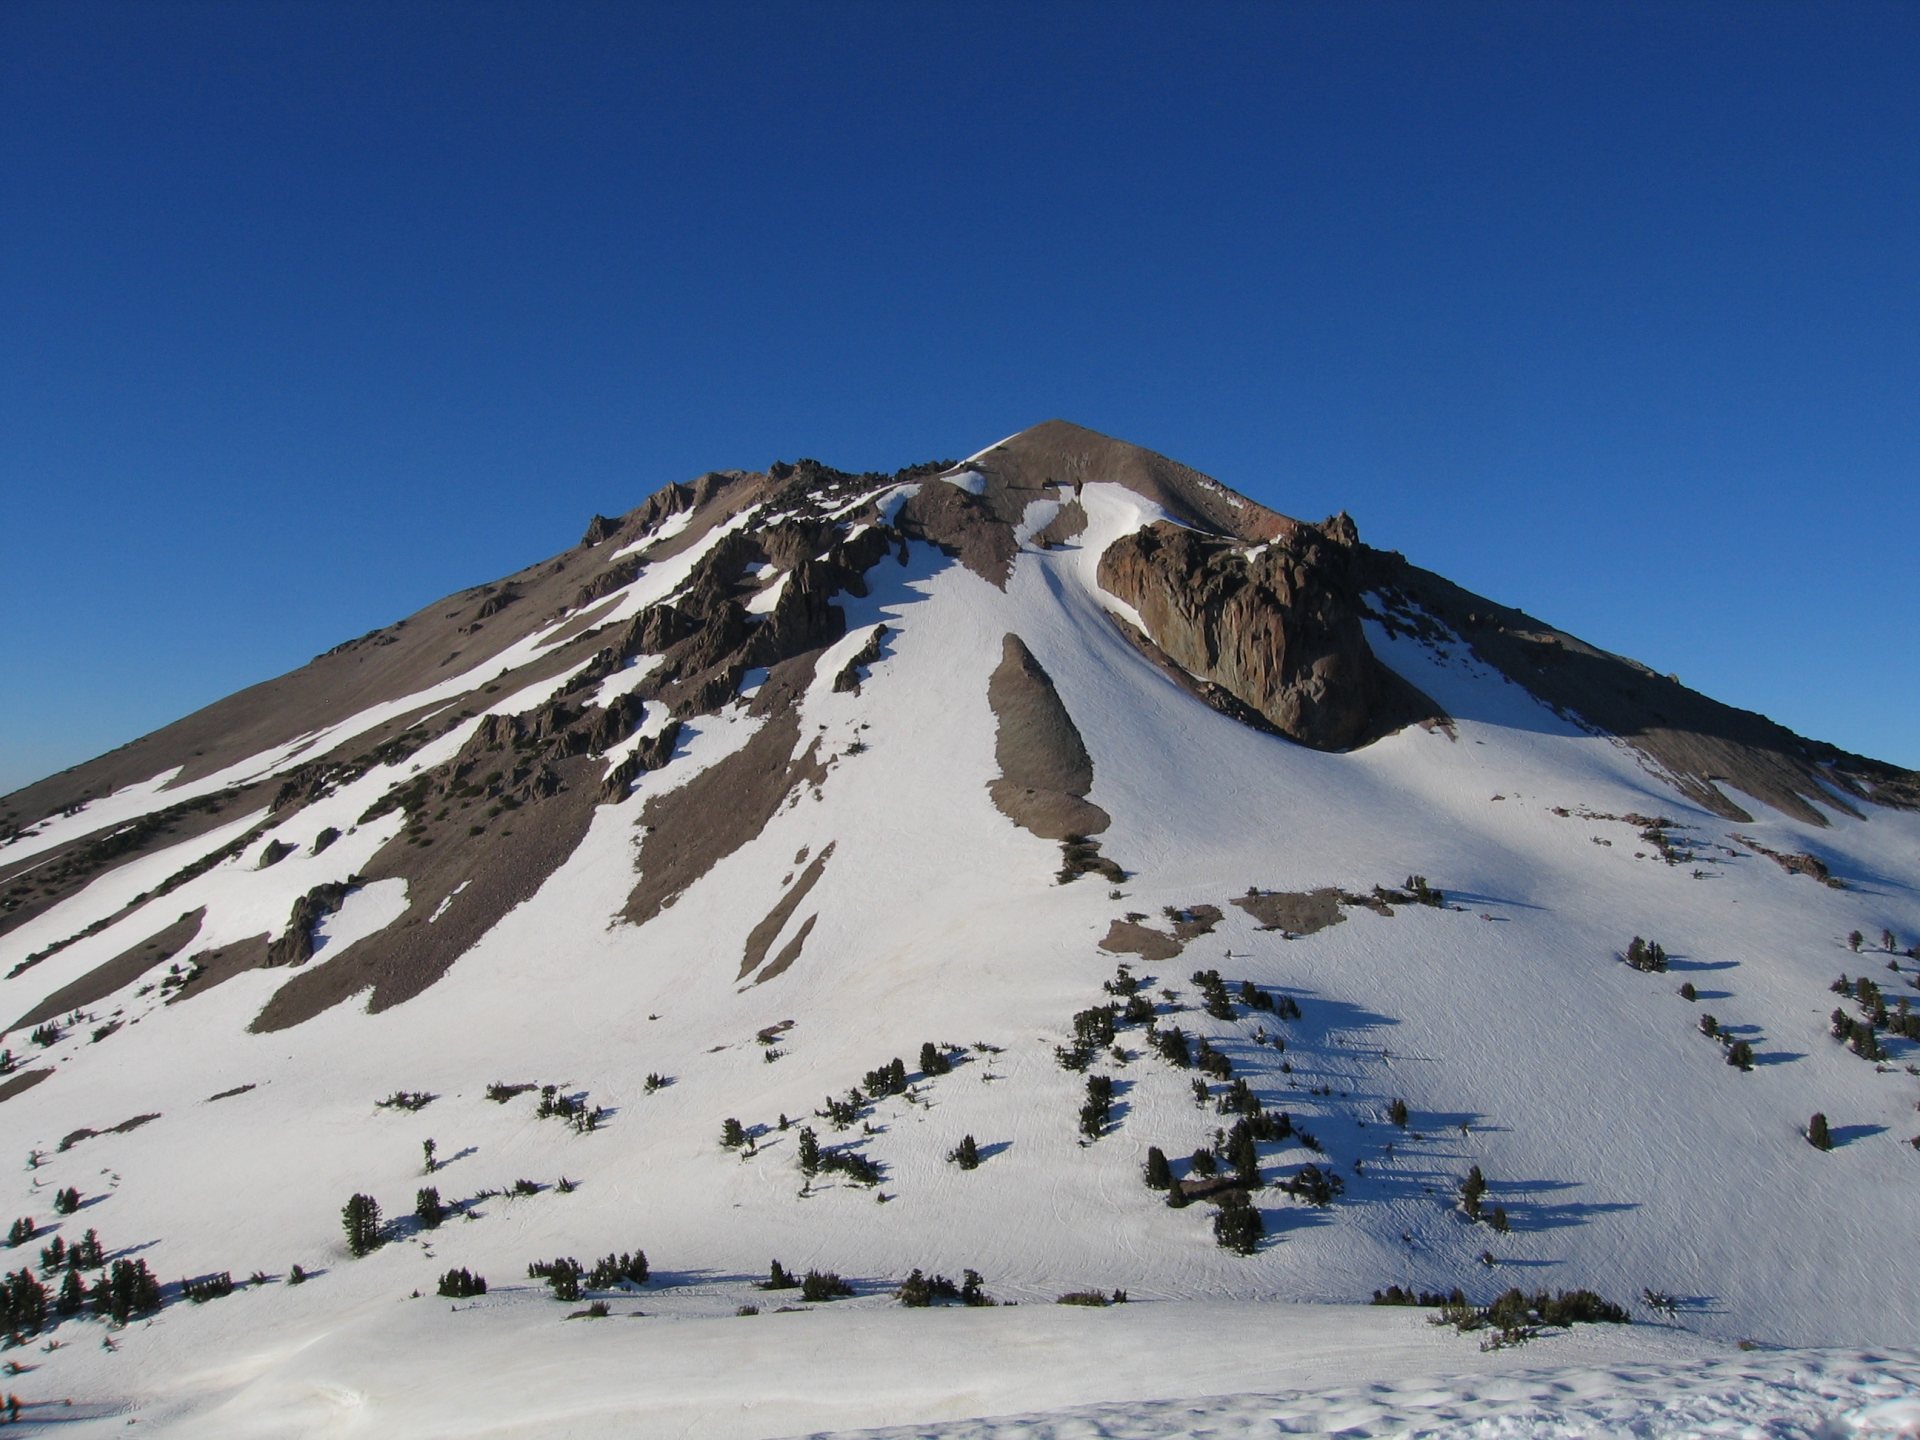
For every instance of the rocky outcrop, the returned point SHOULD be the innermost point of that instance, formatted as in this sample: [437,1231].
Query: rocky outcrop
[1045,771]
[1276,626]
[295,945]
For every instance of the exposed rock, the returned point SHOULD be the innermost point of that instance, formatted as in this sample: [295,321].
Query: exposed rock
[1045,771]
[964,526]
[1297,912]
[1130,937]
[762,936]
[295,945]
[848,680]
[116,974]
[789,952]
[649,754]
[1069,524]
[693,828]
[599,528]
[1279,630]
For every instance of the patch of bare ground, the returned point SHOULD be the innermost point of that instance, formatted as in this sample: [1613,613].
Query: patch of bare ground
[209,968]
[16,1084]
[125,1127]
[1811,866]
[691,829]
[115,974]
[1130,937]
[229,1094]
[515,851]
[760,939]
[789,952]
[1296,912]
[1045,771]
[964,526]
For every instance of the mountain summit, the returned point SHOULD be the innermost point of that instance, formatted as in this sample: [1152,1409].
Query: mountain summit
[1059,801]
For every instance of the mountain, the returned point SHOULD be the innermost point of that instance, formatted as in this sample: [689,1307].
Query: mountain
[1059,797]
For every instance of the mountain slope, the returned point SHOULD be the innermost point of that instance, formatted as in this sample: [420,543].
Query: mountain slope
[784,775]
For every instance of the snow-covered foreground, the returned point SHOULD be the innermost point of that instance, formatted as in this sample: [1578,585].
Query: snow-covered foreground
[419,1369]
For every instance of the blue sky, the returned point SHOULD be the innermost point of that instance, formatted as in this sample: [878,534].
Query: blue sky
[315,312]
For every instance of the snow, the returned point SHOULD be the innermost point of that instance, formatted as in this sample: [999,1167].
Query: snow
[665,530]
[627,678]
[762,601]
[366,911]
[971,481]
[1628,1154]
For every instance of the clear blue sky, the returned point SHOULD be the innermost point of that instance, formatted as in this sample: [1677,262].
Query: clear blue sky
[311,313]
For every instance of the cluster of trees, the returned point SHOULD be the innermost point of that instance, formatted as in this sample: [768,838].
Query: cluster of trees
[126,1290]
[462,1284]
[207,1287]
[1096,1111]
[579,1111]
[919,1290]
[1646,955]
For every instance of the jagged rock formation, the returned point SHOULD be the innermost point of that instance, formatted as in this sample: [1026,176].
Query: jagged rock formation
[1276,625]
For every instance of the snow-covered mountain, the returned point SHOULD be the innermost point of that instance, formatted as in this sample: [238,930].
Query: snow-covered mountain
[1060,798]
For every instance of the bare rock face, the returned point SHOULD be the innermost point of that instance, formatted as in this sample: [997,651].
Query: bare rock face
[1277,627]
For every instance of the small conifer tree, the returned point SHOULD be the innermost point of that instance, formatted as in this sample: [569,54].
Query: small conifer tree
[360,1217]
[1159,1173]
[966,1154]
[428,1209]
[1471,1190]
[732,1133]
[809,1151]
[1818,1135]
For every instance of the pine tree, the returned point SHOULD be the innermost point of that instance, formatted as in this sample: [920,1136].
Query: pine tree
[1471,1190]
[73,1295]
[66,1201]
[1818,1135]
[1854,938]
[1237,1225]
[966,1154]
[732,1133]
[428,1209]
[1499,1220]
[932,1061]
[809,1151]
[361,1219]
[1740,1055]
[1397,1113]
[1244,1155]
[1159,1173]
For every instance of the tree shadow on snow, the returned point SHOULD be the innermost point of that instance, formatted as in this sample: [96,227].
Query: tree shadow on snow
[1847,1134]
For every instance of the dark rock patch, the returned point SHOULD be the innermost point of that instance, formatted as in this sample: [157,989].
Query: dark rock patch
[436,854]
[789,952]
[125,1127]
[296,942]
[115,974]
[848,680]
[229,1094]
[1130,937]
[1045,771]
[1811,866]
[1296,912]
[693,828]
[1069,524]
[964,526]
[17,1084]
[762,936]
[210,968]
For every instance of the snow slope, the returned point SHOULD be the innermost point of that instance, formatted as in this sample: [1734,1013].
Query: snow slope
[1625,1153]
